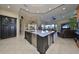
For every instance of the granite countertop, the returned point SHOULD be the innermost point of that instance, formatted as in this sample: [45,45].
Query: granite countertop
[41,33]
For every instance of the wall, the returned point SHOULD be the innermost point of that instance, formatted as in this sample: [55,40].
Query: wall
[62,21]
[37,18]
[8,13]
[28,19]
[41,19]
[77,11]
[59,22]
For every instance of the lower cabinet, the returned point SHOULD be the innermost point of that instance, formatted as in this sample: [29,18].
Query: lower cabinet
[42,44]
[28,37]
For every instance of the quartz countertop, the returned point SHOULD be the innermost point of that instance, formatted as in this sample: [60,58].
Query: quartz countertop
[41,33]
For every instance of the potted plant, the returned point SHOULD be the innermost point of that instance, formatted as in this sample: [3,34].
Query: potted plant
[73,23]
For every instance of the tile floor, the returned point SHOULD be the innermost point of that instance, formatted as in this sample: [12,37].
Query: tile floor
[21,46]
[16,46]
[63,46]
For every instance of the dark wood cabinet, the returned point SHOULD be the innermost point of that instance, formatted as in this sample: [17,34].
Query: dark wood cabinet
[42,44]
[28,37]
[7,27]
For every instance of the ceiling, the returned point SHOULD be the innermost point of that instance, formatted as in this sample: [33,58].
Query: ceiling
[30,7]
[56,9]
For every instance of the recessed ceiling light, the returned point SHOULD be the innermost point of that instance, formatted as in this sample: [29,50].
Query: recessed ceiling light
[8,6]
[64,8]
[49,8]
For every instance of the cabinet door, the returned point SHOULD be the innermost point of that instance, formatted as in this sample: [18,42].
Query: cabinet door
[42,44]
[28,37]
[12,27]
[4,27]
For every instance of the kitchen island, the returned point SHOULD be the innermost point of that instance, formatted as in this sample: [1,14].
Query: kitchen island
[40,39]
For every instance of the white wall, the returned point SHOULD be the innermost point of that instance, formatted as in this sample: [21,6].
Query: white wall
[8,13]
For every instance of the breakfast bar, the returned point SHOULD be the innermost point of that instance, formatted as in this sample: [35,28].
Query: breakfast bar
[40,39]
